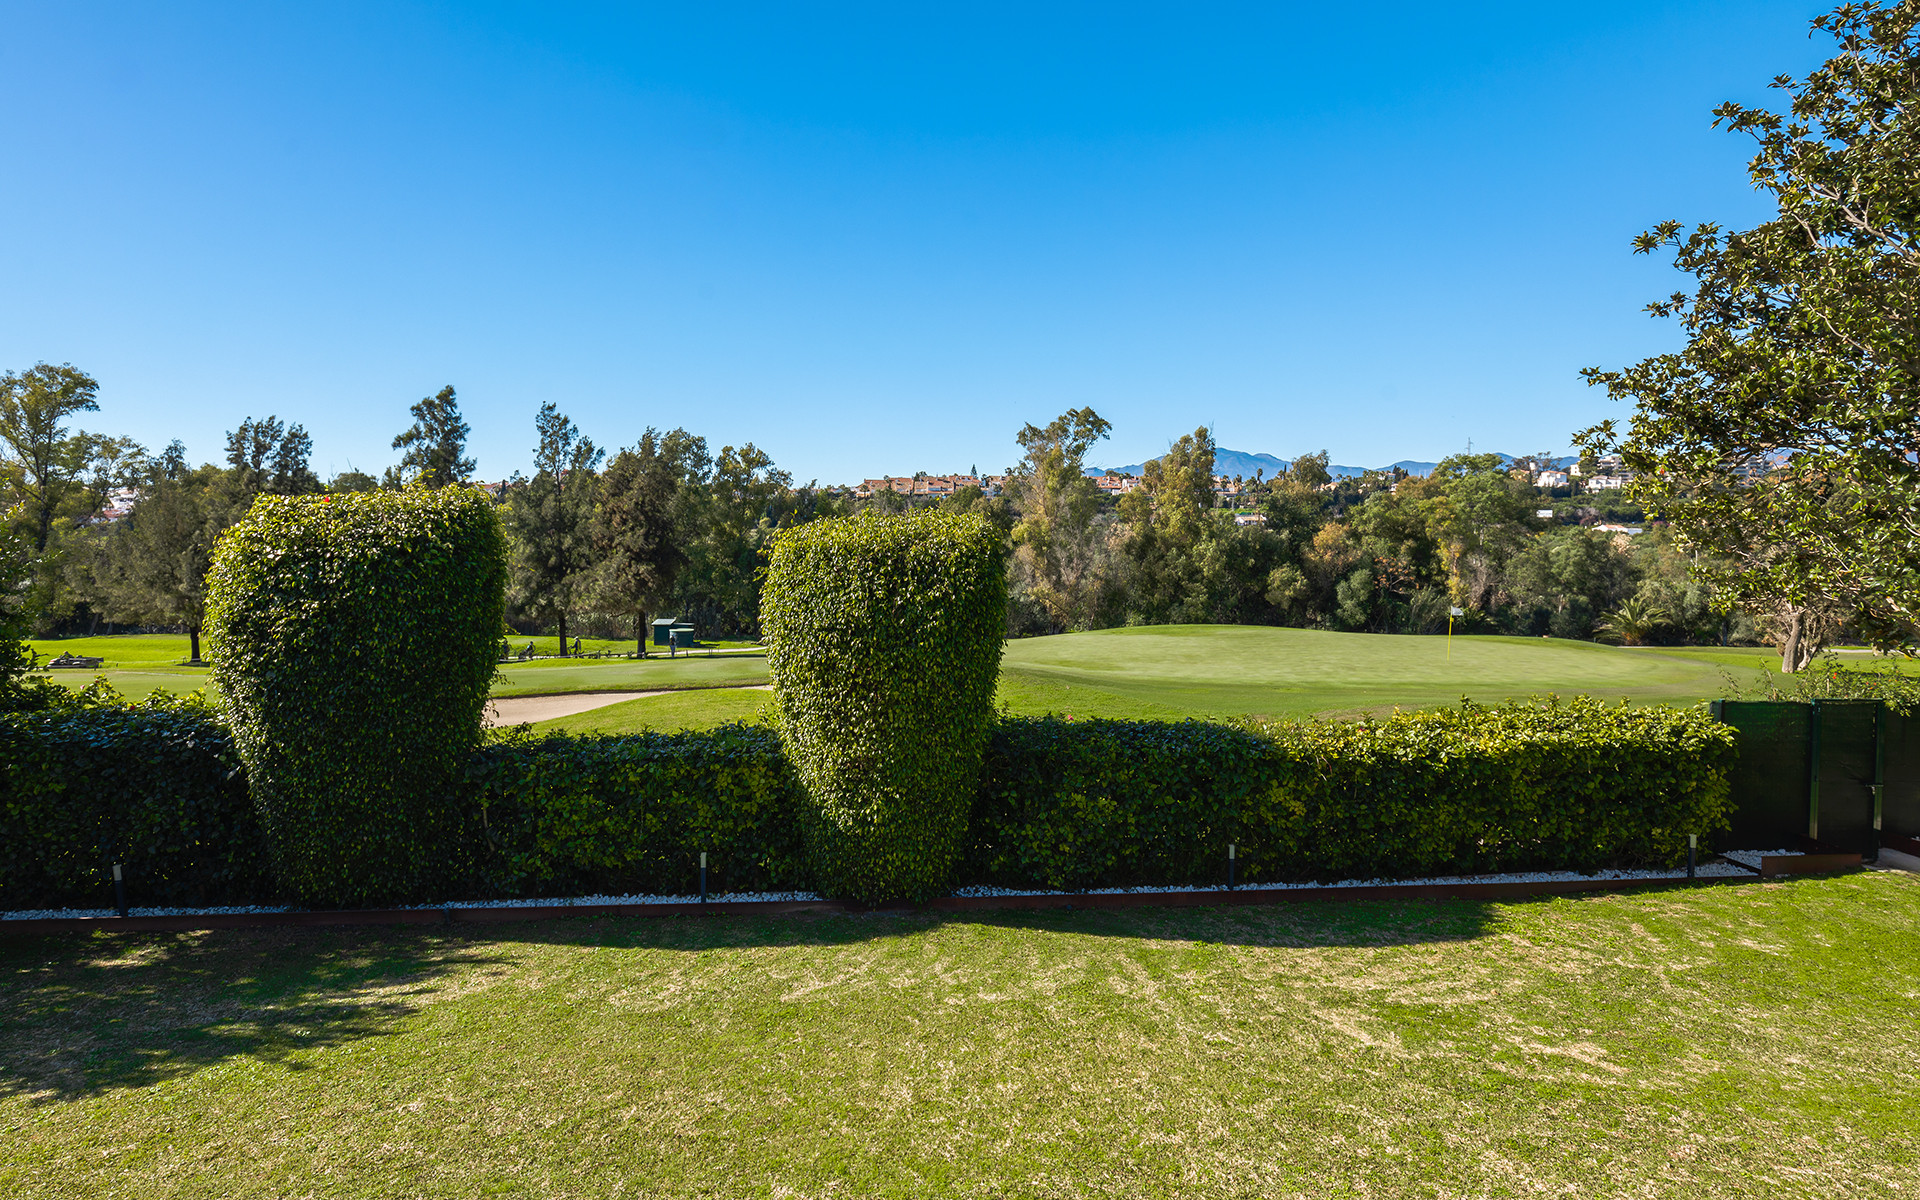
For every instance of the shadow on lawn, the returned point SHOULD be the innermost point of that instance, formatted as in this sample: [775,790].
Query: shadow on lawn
[87,1015]
[1323,923]
[79,1017]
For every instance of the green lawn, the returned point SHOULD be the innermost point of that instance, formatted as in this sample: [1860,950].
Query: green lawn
[1156,672]
[1749,1041]
[618,675]
[1173,672]
[119,649]
[693,709]
[1232,670]
[137,665]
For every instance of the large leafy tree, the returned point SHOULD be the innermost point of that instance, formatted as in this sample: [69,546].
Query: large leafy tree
[271,456]
[1055,541]
[46,463]
[18,690]
[551,519]
[1168,519]
[641,528]
[151,566]
[53,479]
[435,443]
[734,511]
[1782,438]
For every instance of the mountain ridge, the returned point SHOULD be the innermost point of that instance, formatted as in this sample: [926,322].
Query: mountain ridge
[1242,463]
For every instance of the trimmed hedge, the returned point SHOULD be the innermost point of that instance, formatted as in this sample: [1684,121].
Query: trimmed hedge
[1061,804]
[1577,786]
[157,787]
[614,815]
[883,636]
[354,641]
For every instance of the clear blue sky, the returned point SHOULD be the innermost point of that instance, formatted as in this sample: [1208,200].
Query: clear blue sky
[868,239]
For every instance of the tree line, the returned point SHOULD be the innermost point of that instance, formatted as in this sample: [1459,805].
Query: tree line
[603,541]
[1777,453]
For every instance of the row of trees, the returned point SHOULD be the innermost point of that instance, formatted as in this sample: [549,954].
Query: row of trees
[663,523]
[602,542]
[1383,553]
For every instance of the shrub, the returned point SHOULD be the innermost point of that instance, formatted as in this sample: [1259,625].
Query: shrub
[564,815]
[1074,804]
[157,787]
[883,635]
[354,640]
[1576,786]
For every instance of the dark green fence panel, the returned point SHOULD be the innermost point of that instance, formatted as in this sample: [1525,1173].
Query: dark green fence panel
[1809,770]
[1900,802]
[1843,817]
[1769,779]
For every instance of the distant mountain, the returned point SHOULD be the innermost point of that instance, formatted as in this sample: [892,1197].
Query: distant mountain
[1243,464]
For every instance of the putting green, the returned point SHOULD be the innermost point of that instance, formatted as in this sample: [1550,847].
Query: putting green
[1235,670]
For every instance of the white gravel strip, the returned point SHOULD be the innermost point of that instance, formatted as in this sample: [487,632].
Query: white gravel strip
[1707,870]
[1752,858]
[43,914]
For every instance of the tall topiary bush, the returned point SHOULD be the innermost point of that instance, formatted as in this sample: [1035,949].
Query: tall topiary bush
[354,641]
[884,635]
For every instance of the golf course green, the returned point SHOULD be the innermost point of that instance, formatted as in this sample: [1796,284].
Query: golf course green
[1237,670]
[1172,672]
[1159,671]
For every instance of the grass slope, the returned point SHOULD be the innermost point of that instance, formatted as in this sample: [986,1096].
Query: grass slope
[1750,1041]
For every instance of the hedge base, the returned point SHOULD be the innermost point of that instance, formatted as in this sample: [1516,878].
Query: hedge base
[1203,898]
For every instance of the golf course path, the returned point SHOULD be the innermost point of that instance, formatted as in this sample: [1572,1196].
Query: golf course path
[518,710]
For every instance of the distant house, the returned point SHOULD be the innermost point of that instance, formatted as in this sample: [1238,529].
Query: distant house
[923,486]
[1550,479]
[1249,518]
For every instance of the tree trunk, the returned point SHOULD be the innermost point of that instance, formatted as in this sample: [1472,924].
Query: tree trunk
[563,633]
[640,633]
[1800,642]
[193,640]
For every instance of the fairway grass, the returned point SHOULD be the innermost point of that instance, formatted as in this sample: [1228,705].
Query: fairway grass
[702,708]
[1160,672]
[1241,670]
[1757,1040]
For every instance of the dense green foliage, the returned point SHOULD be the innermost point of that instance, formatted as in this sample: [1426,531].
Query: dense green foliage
[1072,804]
[667,527]
[618,815]
[1780,438]
[355,638]
[157,787]
[1059,804]
[883,637]
[19,691]
[1574,786]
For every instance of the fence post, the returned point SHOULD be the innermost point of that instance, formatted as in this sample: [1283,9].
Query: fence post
[1879,777]
[1813,771]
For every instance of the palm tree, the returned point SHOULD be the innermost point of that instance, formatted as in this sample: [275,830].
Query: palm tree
[1632,622]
